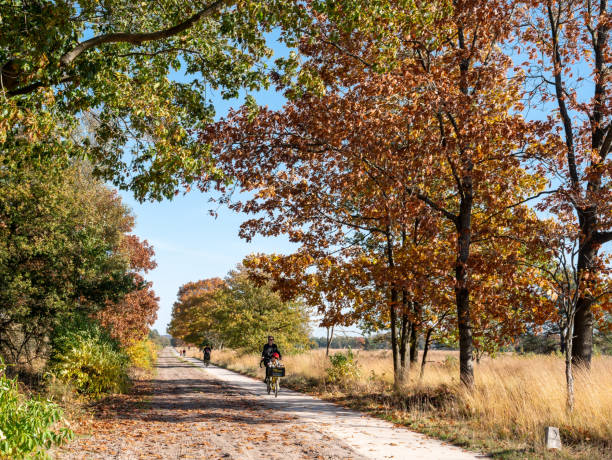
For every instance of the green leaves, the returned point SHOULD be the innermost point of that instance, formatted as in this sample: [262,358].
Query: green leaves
[238,314]
[27,426]
[344,368]
[84,66]
[252,312]
[60,234]
[86,357]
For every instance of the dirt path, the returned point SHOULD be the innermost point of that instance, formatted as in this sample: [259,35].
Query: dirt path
[370,437]
[190,414]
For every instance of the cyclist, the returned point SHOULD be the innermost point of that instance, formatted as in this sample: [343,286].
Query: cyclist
[268,350]
[207,351]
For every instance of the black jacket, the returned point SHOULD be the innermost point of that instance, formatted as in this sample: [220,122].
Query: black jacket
[268,350]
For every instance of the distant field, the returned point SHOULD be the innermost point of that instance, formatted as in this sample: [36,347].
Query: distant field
[515,398]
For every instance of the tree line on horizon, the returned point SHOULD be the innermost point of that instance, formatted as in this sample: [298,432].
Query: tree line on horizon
[236,313]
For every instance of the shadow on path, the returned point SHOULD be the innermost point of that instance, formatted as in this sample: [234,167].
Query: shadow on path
[184,400]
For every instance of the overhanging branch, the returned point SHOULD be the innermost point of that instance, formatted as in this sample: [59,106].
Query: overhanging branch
[10,75]
[603,237]
[138,38]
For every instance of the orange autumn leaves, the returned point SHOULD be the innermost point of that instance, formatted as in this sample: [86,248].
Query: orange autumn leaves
[401,186]
[129,319]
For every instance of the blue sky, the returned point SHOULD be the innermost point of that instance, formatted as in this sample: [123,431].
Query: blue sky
[189,243]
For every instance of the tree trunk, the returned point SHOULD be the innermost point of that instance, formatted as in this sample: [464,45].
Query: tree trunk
[394,344]
[329,338]
[462,293]
[588,217]
[393,306]
[425,350]
[414,343]
[569,374]
[404,340]
[562,340]
[582,343]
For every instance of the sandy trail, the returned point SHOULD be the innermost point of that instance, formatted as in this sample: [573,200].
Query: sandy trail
[189,414]
[370,437]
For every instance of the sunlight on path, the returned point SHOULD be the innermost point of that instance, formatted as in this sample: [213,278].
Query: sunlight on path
[369,436]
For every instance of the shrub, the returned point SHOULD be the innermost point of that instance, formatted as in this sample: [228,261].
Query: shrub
[86,357]
[143,354]
[343,367]
[28,426]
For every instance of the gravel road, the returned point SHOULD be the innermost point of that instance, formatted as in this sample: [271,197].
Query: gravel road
[190,414]
[189,411]
[369,437]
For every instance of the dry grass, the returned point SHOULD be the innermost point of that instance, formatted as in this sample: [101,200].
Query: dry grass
[514,399]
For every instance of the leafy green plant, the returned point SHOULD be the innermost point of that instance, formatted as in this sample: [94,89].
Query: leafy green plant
[85,356]
[28,426]
[343,367]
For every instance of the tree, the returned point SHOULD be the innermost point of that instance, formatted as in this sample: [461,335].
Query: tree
[160,340]
[112,65]
[195,314]
[571,41]
[239,314]
[317,283]
[563,285]
[60,251]
[129,319]
[253,312]
[435,133]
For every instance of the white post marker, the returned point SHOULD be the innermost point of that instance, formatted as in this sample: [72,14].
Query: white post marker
[553,439]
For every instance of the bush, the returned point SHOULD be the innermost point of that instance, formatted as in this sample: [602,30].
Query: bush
[343,367]
[27,426]
[86,357]
[143,354]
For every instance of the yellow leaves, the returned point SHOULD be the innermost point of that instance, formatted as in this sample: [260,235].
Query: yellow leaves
[552,295]
[267,192]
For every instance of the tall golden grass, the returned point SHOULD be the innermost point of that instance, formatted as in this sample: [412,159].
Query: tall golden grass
[515,397]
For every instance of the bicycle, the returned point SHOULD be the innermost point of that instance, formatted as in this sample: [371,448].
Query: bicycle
[274,371]
[206,360]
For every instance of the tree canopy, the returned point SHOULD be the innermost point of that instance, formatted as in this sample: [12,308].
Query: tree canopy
[138,76]
[413,174]
[63,251]
[238,313]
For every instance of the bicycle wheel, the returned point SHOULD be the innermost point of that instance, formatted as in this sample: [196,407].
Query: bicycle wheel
[276,387]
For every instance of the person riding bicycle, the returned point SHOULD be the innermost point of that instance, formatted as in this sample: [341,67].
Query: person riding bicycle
[269,349]
[207,350]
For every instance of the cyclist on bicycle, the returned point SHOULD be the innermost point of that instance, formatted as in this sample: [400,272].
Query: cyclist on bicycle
[207,352]
[269,349]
